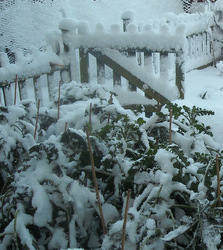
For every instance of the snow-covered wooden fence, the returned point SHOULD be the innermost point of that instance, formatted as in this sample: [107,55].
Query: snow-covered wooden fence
[153,57]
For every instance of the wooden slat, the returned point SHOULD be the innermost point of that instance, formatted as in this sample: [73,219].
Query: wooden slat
[37,90]
[84,66]
[116,78]
[8,97]
[23,94]
[50,84]
[100,71]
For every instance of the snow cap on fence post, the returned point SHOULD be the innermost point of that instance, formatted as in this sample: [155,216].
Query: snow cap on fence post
[4,60]
[19,56]
[127,17]
[132,28]
[83,28]
[68,27]
[115,28]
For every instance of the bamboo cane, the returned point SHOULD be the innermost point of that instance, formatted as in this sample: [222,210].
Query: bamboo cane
[37,118]
[170,126]
[125,219]
[96,183]
[16,83]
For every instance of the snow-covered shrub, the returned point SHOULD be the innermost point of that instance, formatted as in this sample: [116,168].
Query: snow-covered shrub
[172,206]
[51,203]
[52,198]
[16,136]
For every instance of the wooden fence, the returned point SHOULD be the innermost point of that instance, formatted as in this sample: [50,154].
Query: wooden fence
[133,56]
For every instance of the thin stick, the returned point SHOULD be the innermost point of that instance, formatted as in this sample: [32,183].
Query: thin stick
[37,118]
[96,183]
[55,64]
[218,180]
[58,112]
[65,129]
[110,102]
[170,126]
[16,82]
[125,219]
[158,104]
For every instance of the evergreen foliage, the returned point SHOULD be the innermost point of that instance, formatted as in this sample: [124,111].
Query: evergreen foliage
[48,199]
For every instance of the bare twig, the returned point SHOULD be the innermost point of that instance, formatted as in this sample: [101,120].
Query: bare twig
[65,129]
[110,102]
[170,126]
[16,83]
[218,180]
[15,230]
[95,183]
[37,118]
[56,65]
[125,219]
[90,112]
[58,112]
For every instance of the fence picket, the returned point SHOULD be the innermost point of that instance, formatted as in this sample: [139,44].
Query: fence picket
[8,96]
[84,65]
[164,66]
[65,75]
[37,90]
[50,84]
[23,94]
[100,71]
[116,78]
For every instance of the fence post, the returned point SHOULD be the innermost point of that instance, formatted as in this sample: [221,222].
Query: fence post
[6,88]
[180,72]
[68,28]
[19,59]
[127,19]
[148,65]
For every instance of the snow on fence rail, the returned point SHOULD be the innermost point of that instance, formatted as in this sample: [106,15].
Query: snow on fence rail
[152,57]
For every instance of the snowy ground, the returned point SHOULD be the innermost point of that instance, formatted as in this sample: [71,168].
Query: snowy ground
[209,81]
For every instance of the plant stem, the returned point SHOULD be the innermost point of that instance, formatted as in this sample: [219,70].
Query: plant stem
[16,82]
[125,219]
[15,231]
[65,128]
[96,183]
[218,180]
[37,118]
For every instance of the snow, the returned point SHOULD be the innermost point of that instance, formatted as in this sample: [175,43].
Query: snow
[203,88]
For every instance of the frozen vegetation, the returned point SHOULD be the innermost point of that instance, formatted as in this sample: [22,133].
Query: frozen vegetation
[159,178]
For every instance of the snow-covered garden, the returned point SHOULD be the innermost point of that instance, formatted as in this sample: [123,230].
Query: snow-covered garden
[81,171]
